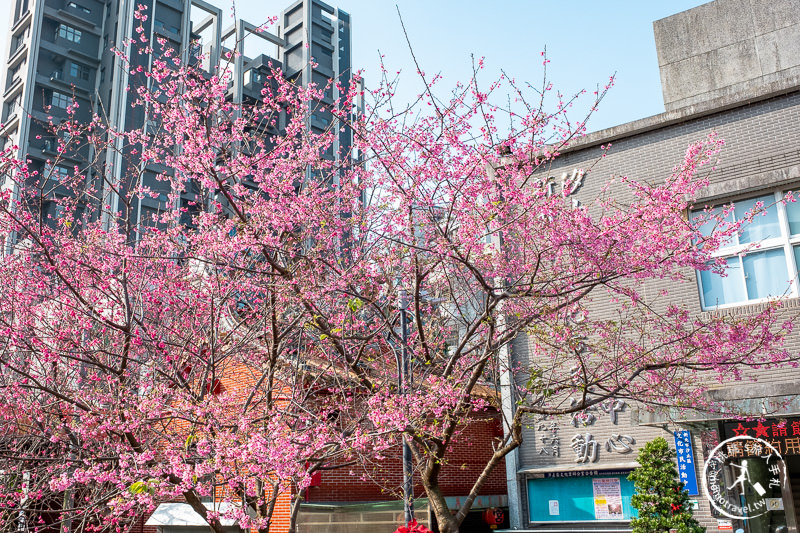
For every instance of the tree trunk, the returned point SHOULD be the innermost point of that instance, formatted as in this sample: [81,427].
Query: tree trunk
[447,522]
[295,511]
[197,506]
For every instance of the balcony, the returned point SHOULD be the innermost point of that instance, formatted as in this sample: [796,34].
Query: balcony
[64,48]
[78,20]
[59,81]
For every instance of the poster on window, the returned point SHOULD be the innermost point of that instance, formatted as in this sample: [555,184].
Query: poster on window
[607,498]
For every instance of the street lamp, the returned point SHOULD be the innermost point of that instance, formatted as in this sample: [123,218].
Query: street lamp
[403,384]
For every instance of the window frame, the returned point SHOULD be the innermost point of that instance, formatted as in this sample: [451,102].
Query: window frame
[57,173]
[13,105]
[18,40]
[57,98]
[68,33]
[79,71]
[75,5]
[786,241]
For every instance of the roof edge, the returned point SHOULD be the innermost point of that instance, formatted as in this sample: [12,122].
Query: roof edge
[698,110]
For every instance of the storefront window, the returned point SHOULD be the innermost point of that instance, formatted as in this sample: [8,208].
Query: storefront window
[581,496]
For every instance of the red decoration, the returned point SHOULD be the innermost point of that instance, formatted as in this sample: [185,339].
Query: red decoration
[214,388]
[494,516]
[740,430]
[761,430]
[413,527]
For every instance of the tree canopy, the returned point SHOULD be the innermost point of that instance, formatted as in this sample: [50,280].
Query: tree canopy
[244,334]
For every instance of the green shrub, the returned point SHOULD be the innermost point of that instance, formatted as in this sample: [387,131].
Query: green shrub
[660,499]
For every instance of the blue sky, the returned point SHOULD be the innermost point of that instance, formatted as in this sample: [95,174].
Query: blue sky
[587,41]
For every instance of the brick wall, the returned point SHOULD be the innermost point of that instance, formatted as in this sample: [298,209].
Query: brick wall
[382,481]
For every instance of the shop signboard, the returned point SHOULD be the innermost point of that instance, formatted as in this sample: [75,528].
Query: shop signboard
[686,469]
[783,435]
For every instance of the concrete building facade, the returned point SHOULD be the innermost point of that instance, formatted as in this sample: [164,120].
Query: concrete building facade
[731,67]
[59,54]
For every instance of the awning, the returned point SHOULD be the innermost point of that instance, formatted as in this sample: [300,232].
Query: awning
[453,502]
[580,468]
[481,502]
[182,514]
[755,399]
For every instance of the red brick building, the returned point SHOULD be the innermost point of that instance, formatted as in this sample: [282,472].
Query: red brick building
[368,497]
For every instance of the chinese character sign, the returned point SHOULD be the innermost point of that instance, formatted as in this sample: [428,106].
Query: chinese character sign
[686,470]
[783,435]
[585,448]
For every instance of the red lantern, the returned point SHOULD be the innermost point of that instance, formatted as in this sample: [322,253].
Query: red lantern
[494,517]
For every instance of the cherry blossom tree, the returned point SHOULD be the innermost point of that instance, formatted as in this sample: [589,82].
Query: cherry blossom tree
[235,342]
[493,252]
[180,356]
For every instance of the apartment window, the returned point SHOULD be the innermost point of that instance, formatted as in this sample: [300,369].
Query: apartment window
[21,9]
[15,70]
[58,99]
[11,108]
[18,40]
[79,7]
[14,104]
[161,25]
[69,33]
[324,122]
[78,71]
[755,274]
[56,172]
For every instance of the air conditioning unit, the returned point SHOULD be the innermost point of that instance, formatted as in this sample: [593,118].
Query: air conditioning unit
[56,75]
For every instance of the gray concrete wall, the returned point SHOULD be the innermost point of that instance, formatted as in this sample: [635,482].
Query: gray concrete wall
[727,47]
[762,153]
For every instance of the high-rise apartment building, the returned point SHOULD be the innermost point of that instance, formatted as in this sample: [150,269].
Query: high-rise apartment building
[59,53]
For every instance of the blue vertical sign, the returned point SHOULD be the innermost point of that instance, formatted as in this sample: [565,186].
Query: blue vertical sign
[686,470]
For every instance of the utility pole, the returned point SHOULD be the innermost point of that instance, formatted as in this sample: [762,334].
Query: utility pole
[404,383]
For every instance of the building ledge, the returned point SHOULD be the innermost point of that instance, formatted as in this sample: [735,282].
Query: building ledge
[23,20]
[627,465]
[18,53]
[73,19]
[453,502]
[559,527]
[11,124]
[16,82]
[736,401]
[683,114]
